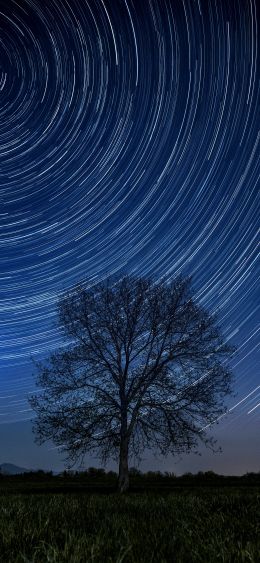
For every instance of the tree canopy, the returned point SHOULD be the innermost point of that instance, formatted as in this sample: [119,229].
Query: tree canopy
[145,366]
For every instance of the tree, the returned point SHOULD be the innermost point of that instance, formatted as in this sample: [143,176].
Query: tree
[144,367]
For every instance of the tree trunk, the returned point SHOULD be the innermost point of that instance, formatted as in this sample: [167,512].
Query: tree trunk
[123,479]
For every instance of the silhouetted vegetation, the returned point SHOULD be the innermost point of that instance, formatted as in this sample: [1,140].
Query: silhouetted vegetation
[145,367]
[99,480]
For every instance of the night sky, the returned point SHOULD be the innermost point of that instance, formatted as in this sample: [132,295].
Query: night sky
[129,142]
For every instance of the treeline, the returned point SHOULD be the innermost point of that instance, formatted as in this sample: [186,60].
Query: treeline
[99,475]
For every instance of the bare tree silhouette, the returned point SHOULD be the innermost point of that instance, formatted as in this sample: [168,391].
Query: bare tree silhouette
[144,368]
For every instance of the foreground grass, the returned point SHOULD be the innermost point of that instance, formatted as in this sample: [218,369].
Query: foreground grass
[142,528]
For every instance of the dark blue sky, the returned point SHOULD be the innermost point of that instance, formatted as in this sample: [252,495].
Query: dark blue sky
[129,141]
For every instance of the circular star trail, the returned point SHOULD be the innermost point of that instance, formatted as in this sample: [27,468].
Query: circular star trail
[129,141]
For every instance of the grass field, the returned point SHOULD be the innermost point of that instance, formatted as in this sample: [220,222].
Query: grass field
[181,526]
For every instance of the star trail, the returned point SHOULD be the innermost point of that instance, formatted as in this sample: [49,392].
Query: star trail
[129,141]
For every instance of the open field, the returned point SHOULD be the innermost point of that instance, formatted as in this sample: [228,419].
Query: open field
[184,525]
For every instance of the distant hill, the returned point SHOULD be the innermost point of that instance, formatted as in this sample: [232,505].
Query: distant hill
[11,469]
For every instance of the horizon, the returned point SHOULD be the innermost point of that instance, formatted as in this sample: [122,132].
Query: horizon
[92,469]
